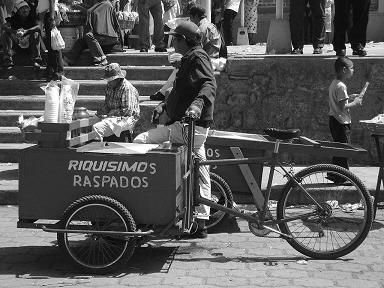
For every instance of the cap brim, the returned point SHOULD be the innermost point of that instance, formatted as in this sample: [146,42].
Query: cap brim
[172,33]
[122,75]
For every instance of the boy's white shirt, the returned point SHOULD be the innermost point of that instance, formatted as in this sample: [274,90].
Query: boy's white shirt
[338,93]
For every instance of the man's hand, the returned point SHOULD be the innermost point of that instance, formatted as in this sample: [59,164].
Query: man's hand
[193,112]
[157,112]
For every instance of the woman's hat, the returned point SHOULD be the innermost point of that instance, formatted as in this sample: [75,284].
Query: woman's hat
[113,71]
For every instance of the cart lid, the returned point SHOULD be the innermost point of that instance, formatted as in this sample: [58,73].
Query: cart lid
[117,148]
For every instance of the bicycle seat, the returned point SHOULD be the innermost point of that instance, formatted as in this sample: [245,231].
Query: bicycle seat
[282,134]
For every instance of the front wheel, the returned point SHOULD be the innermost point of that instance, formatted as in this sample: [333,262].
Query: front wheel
[97,253]
[331,220]
[221,194]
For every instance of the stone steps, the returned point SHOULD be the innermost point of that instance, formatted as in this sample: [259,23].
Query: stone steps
[37,102]
[91,73]
[87,87]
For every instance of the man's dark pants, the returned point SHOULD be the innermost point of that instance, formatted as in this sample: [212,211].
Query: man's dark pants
[296,22]
[357,33]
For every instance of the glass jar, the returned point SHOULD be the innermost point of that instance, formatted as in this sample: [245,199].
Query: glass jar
[80,113]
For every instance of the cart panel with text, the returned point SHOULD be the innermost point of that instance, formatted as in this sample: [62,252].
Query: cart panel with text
[148,184]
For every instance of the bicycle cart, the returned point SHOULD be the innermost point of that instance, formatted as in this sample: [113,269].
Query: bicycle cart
[104,199]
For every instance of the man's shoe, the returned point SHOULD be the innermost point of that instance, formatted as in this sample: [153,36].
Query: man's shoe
[199,234]
[318,51]
[160,49]
[359,52]
[297,51]
[158,96]
[340,53]
[143,50]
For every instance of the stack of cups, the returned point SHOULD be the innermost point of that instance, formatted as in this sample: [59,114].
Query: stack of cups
[52,102]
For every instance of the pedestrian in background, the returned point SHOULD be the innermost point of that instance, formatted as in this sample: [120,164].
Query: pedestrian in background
[231,8]
[155,8]
[250,19]
[49,12]
[357,34]
[296,22]
[339,110]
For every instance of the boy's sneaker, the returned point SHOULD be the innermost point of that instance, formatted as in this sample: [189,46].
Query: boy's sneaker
[318,50]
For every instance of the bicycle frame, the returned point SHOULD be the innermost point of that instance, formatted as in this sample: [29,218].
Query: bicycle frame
[261,201]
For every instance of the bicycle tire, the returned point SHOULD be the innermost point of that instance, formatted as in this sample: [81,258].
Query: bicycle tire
[340,227]
[95,253]
[221,194]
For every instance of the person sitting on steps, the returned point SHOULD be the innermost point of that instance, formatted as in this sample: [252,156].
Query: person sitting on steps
[21,32]
[102,33]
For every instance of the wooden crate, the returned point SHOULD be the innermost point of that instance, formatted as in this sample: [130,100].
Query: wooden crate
[63,135]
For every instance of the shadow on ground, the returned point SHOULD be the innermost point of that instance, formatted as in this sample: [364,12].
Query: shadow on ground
[40,262]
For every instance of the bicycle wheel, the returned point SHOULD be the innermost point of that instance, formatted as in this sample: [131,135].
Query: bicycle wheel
[97,253]
[221,194]
[342,222]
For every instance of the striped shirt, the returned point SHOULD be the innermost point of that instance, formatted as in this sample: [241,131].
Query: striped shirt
[121,101]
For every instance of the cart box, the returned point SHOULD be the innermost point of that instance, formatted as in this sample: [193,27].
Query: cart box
[62,135]
[227,144]
[149,185]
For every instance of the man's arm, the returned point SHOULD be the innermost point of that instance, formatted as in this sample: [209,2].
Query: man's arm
[203,80]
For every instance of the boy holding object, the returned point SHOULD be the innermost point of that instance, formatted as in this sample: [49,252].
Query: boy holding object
[339,105]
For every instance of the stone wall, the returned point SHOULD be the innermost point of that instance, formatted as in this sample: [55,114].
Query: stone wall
[292,92]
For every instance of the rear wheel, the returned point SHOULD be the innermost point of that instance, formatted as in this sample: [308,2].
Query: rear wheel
[221,194]
[97,253]
[339,225]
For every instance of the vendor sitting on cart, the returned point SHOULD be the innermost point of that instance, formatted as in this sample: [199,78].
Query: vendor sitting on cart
[121,109]
[193,95]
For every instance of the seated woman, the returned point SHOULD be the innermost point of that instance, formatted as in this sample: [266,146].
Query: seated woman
[21,33]
[102,32]
[121,109]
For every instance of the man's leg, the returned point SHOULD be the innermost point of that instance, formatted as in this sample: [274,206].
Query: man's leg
[103,129]
[318,22]
[144,24]
[229,15]
[97,53]
[158,31]
[296,22]
[34,44]
[7,42]
[55,66]
[358,33]
[341,25]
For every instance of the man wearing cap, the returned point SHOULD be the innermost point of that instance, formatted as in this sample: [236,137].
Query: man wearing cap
[23,30]
[121,109]
[193,94]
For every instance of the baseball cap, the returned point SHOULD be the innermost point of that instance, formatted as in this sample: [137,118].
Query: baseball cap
[187,30]
[113,71]
[18,4]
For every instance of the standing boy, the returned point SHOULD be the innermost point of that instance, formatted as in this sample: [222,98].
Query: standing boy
[339,105]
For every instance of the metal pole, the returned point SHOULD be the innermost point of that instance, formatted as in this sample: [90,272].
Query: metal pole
[279,9]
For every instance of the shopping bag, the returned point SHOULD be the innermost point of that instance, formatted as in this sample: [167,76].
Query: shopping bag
[57,41]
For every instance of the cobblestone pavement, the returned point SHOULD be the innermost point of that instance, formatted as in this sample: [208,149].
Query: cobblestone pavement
[230,257]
